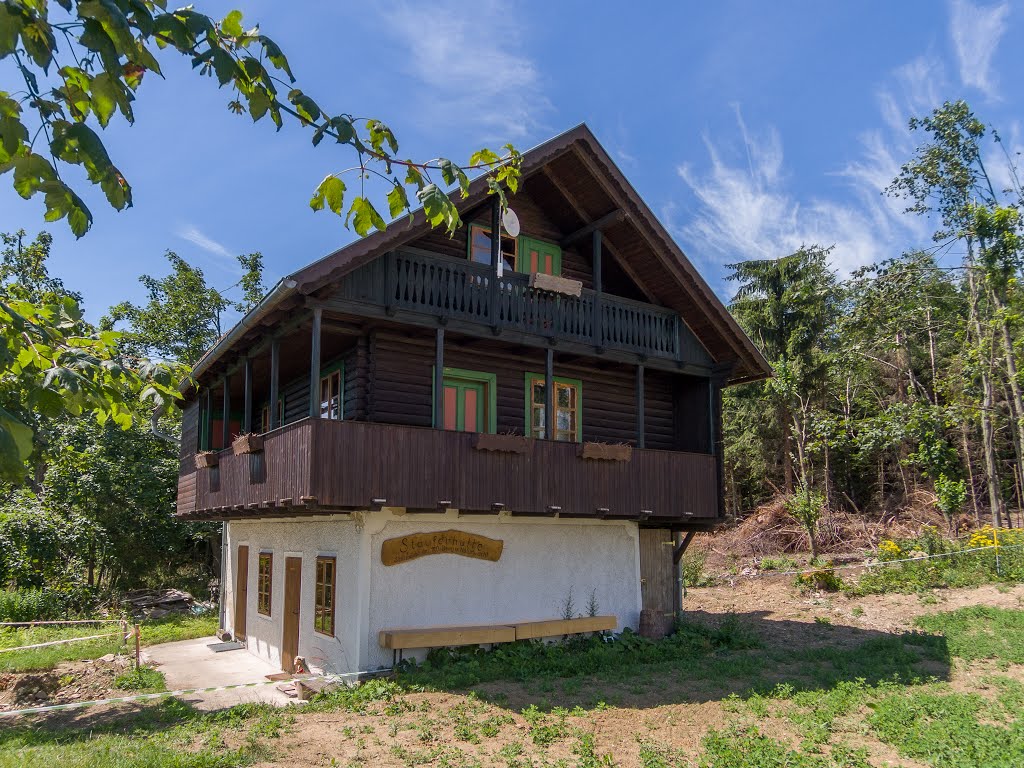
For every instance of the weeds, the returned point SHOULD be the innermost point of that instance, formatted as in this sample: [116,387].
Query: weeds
[141,679]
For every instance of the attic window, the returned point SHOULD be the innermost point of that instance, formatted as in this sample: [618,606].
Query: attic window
[480,247]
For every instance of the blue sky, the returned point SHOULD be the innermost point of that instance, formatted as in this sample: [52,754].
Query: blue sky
[749,128]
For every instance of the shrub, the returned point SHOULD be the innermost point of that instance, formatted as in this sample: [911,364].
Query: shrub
[823,579]
[694,574]
[140,679]
[29,605]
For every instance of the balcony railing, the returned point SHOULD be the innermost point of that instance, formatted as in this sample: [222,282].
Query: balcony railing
[358,465]
[460,289]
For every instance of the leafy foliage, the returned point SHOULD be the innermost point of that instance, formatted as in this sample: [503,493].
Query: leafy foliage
[86,65]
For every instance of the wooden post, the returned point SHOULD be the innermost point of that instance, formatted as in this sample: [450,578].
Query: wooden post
[439,380]
[640,406]
[275,382]
[495,256]
[138,646]
[314,366]
[225,416]
[247,416]
[598,288]
[206,437]
[549,395]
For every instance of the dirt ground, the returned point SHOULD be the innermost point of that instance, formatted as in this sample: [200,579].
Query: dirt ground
[70,681]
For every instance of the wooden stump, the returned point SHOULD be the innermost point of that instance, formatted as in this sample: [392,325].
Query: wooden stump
[654,624]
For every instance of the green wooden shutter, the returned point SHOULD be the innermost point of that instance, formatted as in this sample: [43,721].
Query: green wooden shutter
[538,256]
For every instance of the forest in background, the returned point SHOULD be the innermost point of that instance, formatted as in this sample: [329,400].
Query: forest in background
[896,386]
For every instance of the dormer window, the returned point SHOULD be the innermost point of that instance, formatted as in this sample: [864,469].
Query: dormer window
[519,254]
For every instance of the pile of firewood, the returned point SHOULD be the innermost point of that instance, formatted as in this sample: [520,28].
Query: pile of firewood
[154,603]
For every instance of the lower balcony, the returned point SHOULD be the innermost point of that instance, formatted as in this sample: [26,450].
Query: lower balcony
[316,466]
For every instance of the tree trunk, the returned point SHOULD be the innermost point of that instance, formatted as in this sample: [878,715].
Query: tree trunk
[787,455]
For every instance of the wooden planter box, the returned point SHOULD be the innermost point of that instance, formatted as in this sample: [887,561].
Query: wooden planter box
[206,460]
[606,452]
[503,443]
[247,444]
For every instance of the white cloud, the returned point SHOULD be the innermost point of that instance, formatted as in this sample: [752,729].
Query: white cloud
[976,31]
[468,58]
[746,211]
[208,244]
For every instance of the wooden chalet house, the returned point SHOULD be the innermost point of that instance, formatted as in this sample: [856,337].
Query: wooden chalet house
[439,453]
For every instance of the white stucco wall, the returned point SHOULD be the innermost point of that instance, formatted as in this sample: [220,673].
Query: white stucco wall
[308,539]
[541,561]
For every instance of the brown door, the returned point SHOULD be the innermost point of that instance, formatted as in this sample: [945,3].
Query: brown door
[241,590]
[290,638]
[657,580]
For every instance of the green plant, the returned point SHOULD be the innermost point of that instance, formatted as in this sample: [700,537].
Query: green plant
[781,563]
[823,579]
[140,679]
[593,608]
[569,606]
[693,564]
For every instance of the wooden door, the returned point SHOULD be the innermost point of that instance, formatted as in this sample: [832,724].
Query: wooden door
[464,405]
[292,590]
[241,590]
[657,577]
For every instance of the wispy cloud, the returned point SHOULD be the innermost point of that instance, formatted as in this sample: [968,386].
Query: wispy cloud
[467,57]
[208,244]
[976,31]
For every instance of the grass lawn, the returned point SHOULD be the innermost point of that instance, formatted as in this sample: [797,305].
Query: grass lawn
[731,694]
[161,630]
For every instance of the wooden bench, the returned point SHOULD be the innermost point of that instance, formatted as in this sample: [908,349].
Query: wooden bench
[487,634]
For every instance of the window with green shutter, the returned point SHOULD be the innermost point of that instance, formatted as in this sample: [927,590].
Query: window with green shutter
[539,256]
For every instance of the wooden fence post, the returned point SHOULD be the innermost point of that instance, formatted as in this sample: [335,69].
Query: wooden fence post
[138,647]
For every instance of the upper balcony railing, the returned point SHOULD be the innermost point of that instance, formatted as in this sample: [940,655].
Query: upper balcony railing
[461,289]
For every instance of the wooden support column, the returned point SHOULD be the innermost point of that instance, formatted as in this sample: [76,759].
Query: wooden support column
[314,366]
[640,406]
[495,288]
[206,425]
[598,329]
[549,395]
[247,416]
[225,416]
[275,382]
[439,380]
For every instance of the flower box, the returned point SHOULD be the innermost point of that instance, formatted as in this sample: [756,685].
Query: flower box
[606,452]
[206,459]
[247,444]
[502,443]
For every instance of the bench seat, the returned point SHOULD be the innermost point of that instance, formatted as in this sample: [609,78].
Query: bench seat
[486,634]
[528,630]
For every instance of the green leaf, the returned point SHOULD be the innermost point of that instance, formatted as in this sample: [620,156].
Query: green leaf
[275,56]
[232,24]
[15,447]
[484,157]
[105,95]
[438,208]
[12,20]
[305,106]
[363,216]
[379,135]
[259,103]
[398,200]
[30,171]
[452,173]
[332,192]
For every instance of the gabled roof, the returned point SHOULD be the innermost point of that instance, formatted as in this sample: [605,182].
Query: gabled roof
[580,183]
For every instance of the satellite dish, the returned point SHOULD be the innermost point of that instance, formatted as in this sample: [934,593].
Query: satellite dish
[510,222]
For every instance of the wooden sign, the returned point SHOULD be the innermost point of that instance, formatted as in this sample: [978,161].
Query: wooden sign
[405,548]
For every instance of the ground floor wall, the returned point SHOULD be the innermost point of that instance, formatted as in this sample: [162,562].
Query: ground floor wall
[546,568]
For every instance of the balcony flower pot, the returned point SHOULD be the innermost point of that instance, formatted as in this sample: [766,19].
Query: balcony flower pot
[502,443]
[206,459]
[247,444]
[606,452]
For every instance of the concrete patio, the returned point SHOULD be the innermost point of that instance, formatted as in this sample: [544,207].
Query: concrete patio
[192,664]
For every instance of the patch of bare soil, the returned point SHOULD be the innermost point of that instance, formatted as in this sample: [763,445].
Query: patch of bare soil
[69,682]
[775,599]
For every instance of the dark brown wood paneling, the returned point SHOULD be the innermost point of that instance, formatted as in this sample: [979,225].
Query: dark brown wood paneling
[292,621]
[241,591]
[187,487]
[657,580]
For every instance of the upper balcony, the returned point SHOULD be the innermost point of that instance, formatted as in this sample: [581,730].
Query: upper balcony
[317,466]
[414,283]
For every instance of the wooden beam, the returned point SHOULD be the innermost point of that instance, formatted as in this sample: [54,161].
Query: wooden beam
[439,379]
[275,382]
[595,226]
[549,395]
[495,261]
[314,366]
[206,437]
[620,260]
[677,552]
[247,415]
[225,415]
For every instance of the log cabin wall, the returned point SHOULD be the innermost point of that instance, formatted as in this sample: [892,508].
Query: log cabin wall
[189,435]
[400,381]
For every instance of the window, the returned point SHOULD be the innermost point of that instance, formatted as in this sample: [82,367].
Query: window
[568,392]
[480,247]
[265,416]
[264,582]
[331,405]
[470,401]
[326,582]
